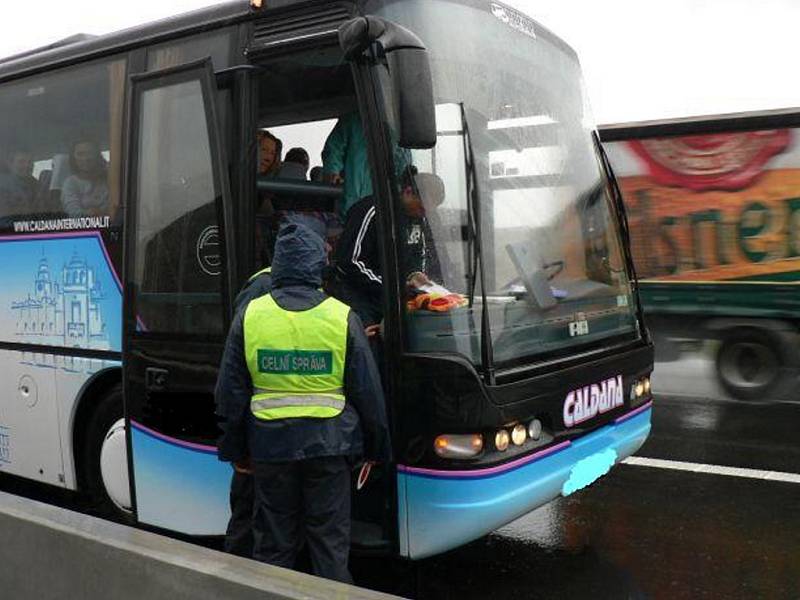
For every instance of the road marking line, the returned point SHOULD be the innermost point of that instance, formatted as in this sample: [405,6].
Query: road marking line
[677,465]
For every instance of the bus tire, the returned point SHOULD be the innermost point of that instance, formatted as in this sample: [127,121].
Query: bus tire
[749,363]
[104,464]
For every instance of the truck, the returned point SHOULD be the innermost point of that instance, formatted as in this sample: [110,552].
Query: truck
[713,205]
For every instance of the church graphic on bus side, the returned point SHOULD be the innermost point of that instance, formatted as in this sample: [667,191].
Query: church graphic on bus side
[65,312]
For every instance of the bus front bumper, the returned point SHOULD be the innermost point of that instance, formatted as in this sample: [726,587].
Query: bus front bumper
[441,510]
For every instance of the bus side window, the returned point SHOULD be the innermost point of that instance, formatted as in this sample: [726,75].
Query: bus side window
[47,117]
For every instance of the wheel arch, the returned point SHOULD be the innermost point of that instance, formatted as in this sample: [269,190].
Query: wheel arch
[95,387]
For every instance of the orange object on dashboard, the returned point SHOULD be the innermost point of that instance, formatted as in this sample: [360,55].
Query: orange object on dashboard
[436,303]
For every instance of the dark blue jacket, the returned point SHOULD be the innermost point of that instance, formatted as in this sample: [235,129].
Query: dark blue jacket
[360,430]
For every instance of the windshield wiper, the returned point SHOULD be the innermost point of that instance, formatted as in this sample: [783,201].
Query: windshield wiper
[475,248]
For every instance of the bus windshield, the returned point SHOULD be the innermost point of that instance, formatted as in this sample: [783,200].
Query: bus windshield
[514,193]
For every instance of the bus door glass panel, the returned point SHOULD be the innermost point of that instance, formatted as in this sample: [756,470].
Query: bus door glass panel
[175,315]
[178,261]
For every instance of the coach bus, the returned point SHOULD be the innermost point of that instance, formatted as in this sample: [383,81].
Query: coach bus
[132,211]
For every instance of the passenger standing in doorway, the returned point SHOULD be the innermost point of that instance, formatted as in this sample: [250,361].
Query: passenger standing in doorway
[270,149]
[316,175]
[301,397]
[295,164]
[358,272]
[345,161]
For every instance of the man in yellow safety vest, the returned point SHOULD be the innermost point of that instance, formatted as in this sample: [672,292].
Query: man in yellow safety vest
[301,399]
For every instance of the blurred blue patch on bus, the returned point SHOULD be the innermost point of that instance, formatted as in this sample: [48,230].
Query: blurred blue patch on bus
[589,470]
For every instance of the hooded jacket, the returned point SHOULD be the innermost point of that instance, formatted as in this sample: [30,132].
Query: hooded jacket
[360,430]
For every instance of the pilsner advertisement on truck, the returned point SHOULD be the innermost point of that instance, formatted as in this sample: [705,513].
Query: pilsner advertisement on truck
[714,209]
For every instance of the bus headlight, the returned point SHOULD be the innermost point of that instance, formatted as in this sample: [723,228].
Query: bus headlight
[640,388]
[519,434]
[458,445]
[535,429]
[501,440]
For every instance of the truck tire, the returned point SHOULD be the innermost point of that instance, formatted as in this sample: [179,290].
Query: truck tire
[103,459]
[750,364]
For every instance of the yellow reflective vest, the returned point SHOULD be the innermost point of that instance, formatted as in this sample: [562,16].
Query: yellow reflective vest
[296,359]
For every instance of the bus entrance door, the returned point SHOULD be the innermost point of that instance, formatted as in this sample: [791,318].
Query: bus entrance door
[176,299]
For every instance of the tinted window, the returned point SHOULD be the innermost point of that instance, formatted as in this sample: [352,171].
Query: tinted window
[178,257]
[60,149]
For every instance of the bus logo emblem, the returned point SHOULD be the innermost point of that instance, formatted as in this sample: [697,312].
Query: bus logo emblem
[589,401]
[208,251]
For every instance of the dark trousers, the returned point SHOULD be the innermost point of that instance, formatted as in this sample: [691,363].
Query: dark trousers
[239,536]
[307,500]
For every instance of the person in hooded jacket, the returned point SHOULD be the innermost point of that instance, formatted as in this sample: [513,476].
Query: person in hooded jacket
[239,533]
[300,398]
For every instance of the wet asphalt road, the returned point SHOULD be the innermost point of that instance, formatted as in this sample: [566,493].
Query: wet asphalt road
[643,532]
[639,532]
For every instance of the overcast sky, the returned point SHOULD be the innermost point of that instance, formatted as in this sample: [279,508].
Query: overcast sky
[642,59]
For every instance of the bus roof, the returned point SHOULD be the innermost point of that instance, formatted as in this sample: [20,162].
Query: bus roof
[82,46]
[741,121]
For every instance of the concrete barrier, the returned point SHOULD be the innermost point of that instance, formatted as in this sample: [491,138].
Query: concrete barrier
[51,553]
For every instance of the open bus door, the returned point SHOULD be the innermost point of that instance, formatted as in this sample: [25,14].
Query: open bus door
[177,282]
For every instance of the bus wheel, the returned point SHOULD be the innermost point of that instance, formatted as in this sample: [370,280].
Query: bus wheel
[105,458]
[749,364]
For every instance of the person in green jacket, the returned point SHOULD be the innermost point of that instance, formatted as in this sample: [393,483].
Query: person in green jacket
[345,161]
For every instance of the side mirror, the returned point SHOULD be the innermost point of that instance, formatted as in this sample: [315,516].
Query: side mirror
[409,69]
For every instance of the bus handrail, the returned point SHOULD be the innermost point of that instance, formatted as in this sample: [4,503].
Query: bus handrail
[294,186]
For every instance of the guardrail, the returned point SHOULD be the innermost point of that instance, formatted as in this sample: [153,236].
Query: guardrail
[48,552]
